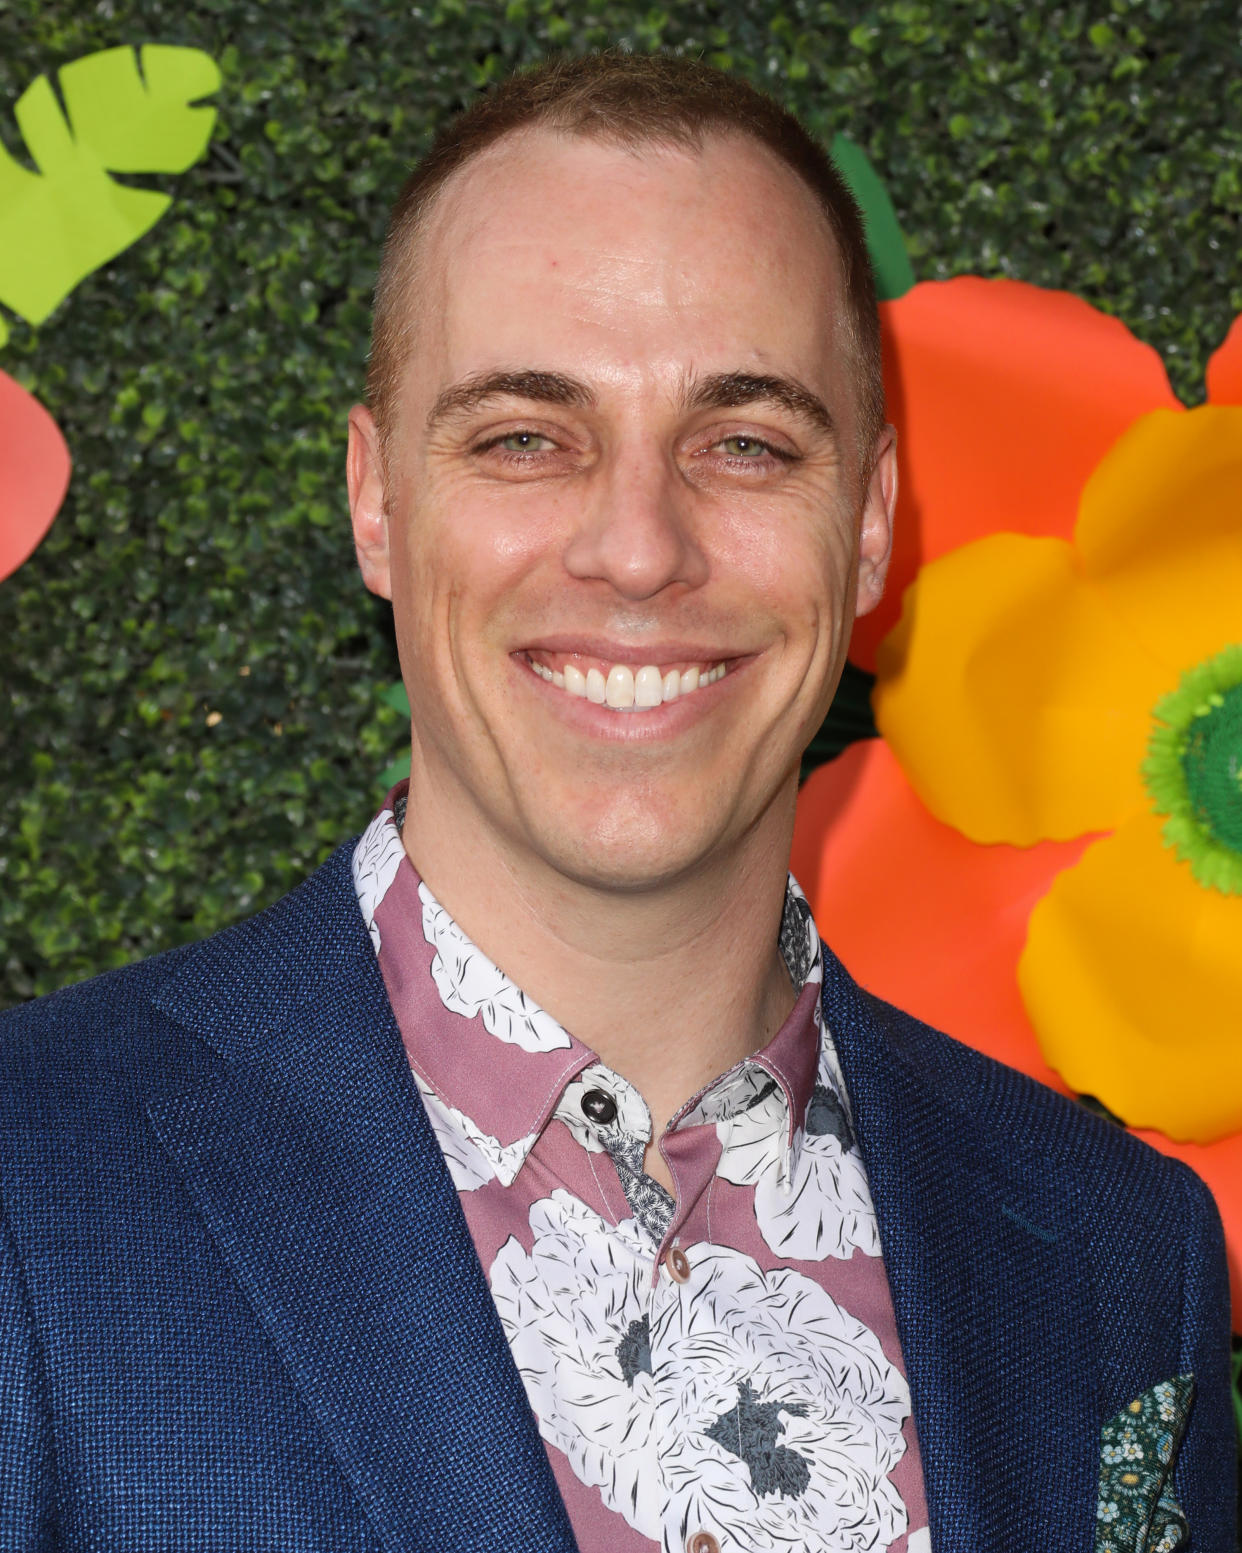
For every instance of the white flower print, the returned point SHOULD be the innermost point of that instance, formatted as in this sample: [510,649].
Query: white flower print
[744,1086]
[823,1207]
[799,938]
[473,1157]
[469,984]
[830,1072]
[632,1119]
[377,857]
[1167,1400]
[743,1403]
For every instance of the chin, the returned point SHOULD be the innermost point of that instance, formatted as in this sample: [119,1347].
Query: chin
[624,854]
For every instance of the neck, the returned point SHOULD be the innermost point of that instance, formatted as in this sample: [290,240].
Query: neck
[669,986]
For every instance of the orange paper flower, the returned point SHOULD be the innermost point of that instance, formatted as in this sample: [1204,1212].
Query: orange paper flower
[1006,397]
[1017,698]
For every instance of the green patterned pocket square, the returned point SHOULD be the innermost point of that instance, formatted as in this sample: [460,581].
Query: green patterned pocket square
[1137,1512]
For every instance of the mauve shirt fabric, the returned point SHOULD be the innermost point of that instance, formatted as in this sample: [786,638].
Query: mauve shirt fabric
[760,1397]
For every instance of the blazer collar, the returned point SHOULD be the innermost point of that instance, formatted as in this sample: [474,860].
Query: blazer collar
[987,1282]
[310,1157]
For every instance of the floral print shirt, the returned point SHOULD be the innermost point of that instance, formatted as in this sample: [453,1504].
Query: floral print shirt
[715,1371]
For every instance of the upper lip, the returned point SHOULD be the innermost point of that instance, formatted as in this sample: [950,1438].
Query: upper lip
[666,650]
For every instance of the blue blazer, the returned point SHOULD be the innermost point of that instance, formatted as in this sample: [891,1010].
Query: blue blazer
[240,1308]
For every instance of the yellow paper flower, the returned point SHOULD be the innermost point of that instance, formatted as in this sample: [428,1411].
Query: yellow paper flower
[1041,689]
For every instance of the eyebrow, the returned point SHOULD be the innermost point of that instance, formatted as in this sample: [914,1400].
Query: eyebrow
[722,390]
[729,390]
[541,387]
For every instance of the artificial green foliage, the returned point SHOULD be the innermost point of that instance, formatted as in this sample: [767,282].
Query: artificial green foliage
[64,220]
[193,674]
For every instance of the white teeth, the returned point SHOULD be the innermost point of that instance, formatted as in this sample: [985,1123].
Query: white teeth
[627,689]
[648,686]
[620,689]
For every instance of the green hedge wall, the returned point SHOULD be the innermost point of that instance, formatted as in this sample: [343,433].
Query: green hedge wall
[192,672]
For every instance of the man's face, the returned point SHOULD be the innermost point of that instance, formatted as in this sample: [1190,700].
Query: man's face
[624,501]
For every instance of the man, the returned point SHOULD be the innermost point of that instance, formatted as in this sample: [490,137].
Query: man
[532,1177]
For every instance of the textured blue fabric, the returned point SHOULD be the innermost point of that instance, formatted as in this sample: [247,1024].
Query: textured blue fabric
[246,1312]
[240,1309]
[1046,1267]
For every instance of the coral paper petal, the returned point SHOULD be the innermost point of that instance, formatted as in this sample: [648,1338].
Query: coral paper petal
[34,473]
[1220,1165]
[919,915]
[1160,533]
[1015,705]
[1132,977]
[1005,397]
[1224,369]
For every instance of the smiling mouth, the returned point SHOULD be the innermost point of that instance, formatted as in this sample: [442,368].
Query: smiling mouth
[623,687]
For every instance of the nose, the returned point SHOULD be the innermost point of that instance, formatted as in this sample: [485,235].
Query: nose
[636,531]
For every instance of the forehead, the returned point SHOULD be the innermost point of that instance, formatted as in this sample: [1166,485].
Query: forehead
[632,262]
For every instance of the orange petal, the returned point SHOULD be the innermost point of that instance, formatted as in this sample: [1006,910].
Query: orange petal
[918,914]
[1016,706]
[1005,398]
[1220,1165]
[34,473]
[1224,368]
[935,924]
[1160,533]
[1133,981]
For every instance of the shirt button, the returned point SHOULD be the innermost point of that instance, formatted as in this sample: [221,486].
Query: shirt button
[702,1542]
[599,1107]
[678,1265]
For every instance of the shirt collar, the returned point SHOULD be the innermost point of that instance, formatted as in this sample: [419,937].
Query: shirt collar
[489,1052]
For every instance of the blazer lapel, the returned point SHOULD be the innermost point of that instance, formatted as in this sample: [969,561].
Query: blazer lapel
[987,1285]
[311,1159]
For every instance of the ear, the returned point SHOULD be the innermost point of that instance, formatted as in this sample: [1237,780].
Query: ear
[875,530]
[364,475]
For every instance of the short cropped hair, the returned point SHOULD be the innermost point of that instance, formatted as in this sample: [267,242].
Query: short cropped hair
[633,101]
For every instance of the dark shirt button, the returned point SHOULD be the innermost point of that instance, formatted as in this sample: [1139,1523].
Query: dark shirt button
[702,1542]
[599,1107]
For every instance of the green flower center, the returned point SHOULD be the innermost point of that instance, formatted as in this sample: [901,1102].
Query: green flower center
[1193,769]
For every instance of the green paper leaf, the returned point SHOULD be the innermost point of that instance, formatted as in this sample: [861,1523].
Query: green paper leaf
[68,218]
[140,123]
[395,772]
[395,696]
[893,273]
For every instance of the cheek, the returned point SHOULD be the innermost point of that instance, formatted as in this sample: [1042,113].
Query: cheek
[799,566]
[469,555]
[482,527]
